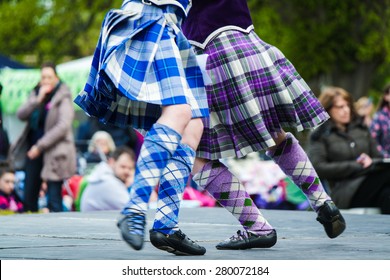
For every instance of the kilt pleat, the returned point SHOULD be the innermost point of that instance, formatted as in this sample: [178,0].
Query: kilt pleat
[255,93]
[142,62]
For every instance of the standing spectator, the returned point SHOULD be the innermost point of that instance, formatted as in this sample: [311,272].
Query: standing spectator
[107,184]
[51,154]
[344,153]
[380,126]
[8,198]
[4,140]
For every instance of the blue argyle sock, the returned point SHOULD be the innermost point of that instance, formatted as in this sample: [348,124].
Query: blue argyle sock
[172,184]
[159,145]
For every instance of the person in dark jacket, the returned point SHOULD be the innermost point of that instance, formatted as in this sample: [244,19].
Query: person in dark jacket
[344,154]
[4,140]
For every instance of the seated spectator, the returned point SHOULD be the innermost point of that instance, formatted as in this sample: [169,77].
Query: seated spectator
[344,153]
[70,192]
[99,147]
[107,185]
[123,136]
[380,126]
[365,108]
[9,201]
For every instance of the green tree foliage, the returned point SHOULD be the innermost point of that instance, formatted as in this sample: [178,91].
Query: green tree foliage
[55,30]
[346,43]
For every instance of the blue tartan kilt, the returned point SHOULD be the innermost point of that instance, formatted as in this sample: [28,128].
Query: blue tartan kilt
[142,62]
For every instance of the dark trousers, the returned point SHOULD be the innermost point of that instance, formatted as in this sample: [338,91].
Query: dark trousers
[54,196]
[32,186]
[374,192]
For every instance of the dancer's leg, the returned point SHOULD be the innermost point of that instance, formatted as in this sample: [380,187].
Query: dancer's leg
[165,233]
[171,188]
[231,194]
[294,162]
[159,145]
[175,177]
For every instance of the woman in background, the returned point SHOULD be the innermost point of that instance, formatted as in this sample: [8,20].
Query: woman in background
[344,153]
[100,146]
[51,155]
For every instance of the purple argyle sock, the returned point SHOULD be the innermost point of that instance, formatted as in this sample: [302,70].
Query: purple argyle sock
[231,194]
[293,160]
[170,193]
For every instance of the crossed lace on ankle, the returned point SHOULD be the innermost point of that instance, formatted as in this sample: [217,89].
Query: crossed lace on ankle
[247,240]
[241,235]
[132,227]
[183,236]
[135,223]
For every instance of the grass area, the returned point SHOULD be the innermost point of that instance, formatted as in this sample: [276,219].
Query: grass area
[9,212]
[6,212]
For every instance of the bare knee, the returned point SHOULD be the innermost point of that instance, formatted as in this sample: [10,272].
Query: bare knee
[176,116]
[193,133]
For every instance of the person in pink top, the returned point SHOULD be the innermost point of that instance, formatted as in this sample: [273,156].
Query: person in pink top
[8,198]
[380,125]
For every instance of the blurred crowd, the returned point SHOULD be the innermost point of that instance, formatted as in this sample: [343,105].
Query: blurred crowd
[49,169]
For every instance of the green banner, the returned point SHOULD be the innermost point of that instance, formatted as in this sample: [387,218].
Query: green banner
[18,83]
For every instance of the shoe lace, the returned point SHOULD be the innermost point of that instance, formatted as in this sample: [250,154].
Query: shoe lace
[240,235]
[135,222]
[183,236]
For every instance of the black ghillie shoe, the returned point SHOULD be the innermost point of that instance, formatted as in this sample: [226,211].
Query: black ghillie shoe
[177,243]
[248,240]
[332,220]
[132,229]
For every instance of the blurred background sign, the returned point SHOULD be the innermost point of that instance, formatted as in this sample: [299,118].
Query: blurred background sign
[18,83]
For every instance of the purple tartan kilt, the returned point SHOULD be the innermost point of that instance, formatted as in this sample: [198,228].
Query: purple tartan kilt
[255,92]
